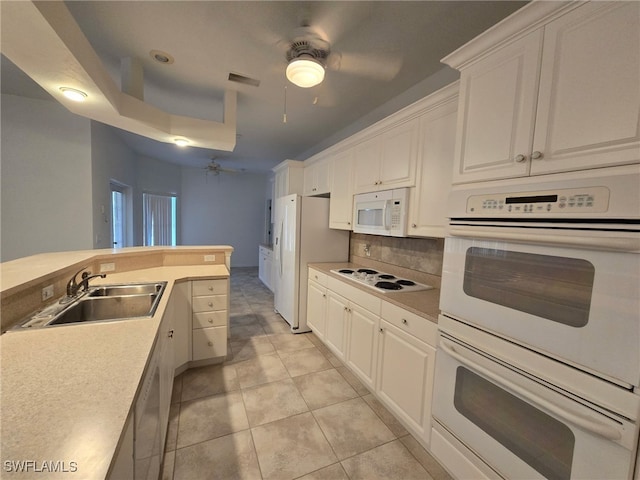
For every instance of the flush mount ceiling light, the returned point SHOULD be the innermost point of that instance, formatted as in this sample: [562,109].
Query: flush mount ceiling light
[181,142]
[73,94]
[305,72]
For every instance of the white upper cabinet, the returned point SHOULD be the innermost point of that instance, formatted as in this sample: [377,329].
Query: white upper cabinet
[428,202]
[341,200]
[549,90]
[589,99]
[388,159]
[288,178]
[316,178]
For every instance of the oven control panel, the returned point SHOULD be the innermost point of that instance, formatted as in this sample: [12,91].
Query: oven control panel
[569,200]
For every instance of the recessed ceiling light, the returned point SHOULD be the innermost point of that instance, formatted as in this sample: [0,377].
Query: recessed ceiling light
[73,94]
[181,142]
[161,57]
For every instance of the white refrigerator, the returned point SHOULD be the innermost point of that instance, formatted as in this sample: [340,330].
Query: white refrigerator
[302,235]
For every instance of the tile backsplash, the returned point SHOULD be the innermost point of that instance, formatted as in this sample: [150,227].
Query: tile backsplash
[416,258]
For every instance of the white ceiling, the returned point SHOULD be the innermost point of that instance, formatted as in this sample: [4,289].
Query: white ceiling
[379,50]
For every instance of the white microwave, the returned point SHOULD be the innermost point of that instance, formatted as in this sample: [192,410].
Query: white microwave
[381,213]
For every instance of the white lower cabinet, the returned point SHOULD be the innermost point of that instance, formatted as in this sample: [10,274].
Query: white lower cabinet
[317,303]
[210,313]
[391,350]
[363,343]
[265,266]
[336,332]
[405,377]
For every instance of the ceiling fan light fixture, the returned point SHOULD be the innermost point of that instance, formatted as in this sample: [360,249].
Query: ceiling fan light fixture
[305,72]
[73,94]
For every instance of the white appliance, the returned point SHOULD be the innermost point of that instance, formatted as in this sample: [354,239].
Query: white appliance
[381,281]
[381,213]
[302,236]
[538,371]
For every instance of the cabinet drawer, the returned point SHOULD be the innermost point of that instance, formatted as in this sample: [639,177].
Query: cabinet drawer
[209,343]
[209,303]
[365,300]
[318,277]
[266,252]
[209,287]
[210,319]
[413,324]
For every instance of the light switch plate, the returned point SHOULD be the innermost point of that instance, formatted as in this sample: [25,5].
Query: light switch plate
[107,267]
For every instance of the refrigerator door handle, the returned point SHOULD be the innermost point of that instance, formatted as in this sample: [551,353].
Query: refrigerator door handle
[280,246]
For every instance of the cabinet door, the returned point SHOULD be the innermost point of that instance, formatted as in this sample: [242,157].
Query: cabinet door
[268,272]
[165,341]
[368,156]
[262,258]
[405,377]
[317,308]
[316,178]
[363,344]
[428,203]
[497,105]
[181,298]
[341,200]
[399,156]
[589,101]
[336,324]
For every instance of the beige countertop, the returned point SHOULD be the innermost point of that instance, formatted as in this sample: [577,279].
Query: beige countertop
[67,391]
[423,303]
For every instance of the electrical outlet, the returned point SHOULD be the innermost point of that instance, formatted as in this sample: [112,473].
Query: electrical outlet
[107,267]
[209,258]
[47,292]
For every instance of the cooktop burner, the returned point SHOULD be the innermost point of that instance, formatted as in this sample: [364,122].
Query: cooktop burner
[388,285]
[382,282]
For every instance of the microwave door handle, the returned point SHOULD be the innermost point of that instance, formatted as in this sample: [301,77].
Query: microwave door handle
[599,428]
[386,215]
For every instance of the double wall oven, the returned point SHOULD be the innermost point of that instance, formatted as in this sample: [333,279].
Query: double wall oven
[538,370]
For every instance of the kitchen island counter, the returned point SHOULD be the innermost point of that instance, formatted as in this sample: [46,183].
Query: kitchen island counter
[67,391]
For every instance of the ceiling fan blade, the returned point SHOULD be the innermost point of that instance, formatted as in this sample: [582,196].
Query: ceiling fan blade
[378,66]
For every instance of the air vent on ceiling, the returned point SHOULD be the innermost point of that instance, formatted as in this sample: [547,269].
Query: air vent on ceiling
[235,77]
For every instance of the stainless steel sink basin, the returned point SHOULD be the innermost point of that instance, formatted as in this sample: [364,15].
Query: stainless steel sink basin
[102,303]
[91,309]
[119,290]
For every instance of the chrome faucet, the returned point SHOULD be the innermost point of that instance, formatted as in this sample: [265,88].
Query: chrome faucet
[74,287]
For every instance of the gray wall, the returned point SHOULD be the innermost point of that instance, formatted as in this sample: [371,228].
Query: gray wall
[45,179]
[224,209]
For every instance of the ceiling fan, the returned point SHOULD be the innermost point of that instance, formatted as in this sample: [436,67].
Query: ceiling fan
[309,54]
[216,169]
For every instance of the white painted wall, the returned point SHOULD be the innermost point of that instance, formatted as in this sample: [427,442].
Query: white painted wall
[111,160]
[46,186]
[224,209]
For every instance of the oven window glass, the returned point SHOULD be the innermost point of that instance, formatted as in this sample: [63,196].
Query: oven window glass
[538,439]
[370,217]
[555,288]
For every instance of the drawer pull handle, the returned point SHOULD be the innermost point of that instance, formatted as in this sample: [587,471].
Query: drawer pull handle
[211,320]
[404,321]
[210,344]
[211,287]
[210,304]
[381,330]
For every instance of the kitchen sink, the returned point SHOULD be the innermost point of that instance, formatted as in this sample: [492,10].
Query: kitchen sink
[91,309]
[100,304]
[119,290]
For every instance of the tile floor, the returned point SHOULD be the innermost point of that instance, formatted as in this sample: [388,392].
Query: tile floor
[282,407]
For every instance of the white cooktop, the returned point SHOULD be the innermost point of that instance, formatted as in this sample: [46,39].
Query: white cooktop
[381,281]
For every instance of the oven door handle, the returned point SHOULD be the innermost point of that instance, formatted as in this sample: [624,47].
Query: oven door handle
[599,428]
